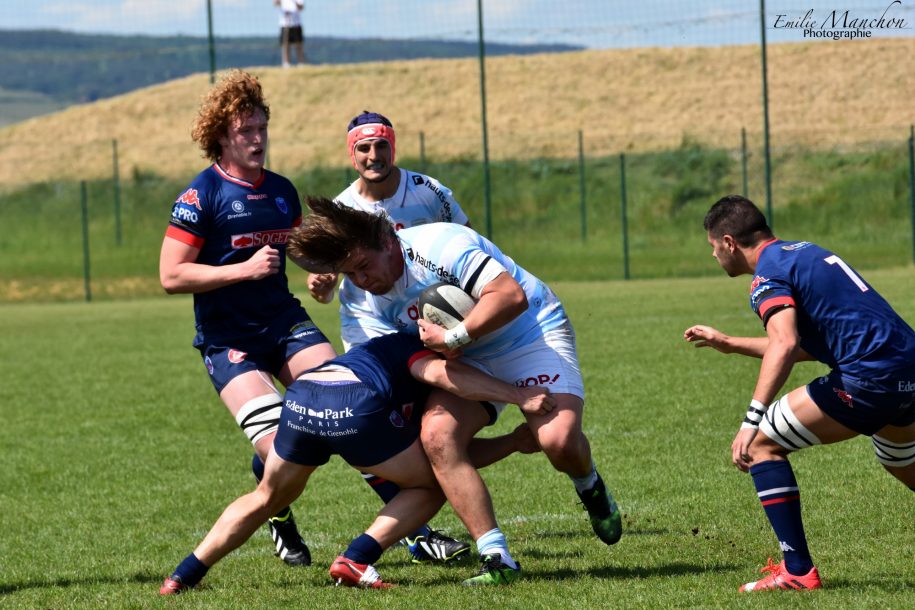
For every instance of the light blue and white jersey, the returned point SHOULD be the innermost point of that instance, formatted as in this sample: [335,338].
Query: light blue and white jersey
[419,200]
[446,252]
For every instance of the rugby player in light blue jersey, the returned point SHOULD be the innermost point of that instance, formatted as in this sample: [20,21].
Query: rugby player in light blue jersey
[226,244]
[518,331]
[407,199]
[813,306]
[362,406]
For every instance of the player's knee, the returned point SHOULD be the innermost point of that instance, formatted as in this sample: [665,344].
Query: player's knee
[784,429]
[260,417]
[561,445]
[893,455]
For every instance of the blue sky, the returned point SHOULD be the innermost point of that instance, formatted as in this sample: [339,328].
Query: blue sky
[589,23]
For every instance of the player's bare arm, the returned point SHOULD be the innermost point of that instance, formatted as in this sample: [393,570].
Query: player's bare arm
[180,273]
[706,336]
[467,382]
[501,301]
[777,361]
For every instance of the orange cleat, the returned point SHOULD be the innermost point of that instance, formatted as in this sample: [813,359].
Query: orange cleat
[173,586]
[347,572]
[781,578]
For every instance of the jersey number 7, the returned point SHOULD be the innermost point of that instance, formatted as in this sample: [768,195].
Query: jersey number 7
[835,260]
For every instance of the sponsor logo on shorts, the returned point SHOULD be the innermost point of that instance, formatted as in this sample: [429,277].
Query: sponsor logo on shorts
[259,238]
[397,420]
[236,356]
[303,329]
[542,379]
[209,364]
[322,420]
[189,197]
[844,396]
[907,386]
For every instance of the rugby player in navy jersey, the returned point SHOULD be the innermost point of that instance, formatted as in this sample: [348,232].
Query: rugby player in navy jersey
[813,306]
[364,406]
[406,199]
[226,244]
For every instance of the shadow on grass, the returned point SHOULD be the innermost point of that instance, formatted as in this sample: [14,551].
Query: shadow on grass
[63,583]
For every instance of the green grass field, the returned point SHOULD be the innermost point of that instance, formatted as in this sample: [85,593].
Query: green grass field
[118,456]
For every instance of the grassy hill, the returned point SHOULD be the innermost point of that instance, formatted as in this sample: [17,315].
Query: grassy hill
[822,95]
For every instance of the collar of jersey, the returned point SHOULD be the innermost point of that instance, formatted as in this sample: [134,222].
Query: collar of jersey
[227,176]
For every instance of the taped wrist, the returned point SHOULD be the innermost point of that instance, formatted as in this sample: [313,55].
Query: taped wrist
[457,337]
[754,415]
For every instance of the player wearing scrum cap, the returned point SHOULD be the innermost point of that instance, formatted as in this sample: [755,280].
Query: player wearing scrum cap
[407,199]
[813,306]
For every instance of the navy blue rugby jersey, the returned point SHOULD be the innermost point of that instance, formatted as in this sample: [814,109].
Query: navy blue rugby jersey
[229,219]
[383,363]
[842,321]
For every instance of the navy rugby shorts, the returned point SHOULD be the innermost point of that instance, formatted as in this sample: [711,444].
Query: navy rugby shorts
[349,419]
[866,405]
[269,352]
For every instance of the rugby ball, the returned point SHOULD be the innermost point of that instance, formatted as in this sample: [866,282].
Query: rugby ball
[445,305]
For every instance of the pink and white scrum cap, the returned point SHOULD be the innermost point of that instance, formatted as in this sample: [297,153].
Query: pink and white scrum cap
[369,126]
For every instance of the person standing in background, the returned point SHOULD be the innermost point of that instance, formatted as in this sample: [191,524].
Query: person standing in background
[291,35]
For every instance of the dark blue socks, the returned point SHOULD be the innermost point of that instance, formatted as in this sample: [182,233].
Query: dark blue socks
[364,549]
[780,498]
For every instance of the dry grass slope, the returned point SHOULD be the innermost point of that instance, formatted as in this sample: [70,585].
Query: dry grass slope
[825,93]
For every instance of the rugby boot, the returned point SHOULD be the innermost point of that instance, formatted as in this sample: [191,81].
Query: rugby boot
[173,586]
[606,520]
[493,572]
[436,547]
[780,578]
[289,544]
[347,572]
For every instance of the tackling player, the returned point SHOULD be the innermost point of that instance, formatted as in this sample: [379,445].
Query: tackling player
[359,406]
[226,244]
[407,199]
[518,332]
[813,306]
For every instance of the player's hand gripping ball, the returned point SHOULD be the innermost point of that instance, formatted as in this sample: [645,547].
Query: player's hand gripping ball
[445,305]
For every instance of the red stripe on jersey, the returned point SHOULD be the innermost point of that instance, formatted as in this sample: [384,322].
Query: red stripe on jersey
[774,302]
[425,353]
[765,245]
[779,500]
[183,236]
[227,176]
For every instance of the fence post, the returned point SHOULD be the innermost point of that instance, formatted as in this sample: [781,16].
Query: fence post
[210,41]
[583,203]
[487,189]
[765,100]
[117,192]
[84,206]
[912,183]
[422,152]
[625,223]
[743,161]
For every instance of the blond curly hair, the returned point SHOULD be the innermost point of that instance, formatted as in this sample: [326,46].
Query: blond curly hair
[238,94]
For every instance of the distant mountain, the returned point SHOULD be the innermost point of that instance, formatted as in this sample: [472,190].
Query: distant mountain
[68,67]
